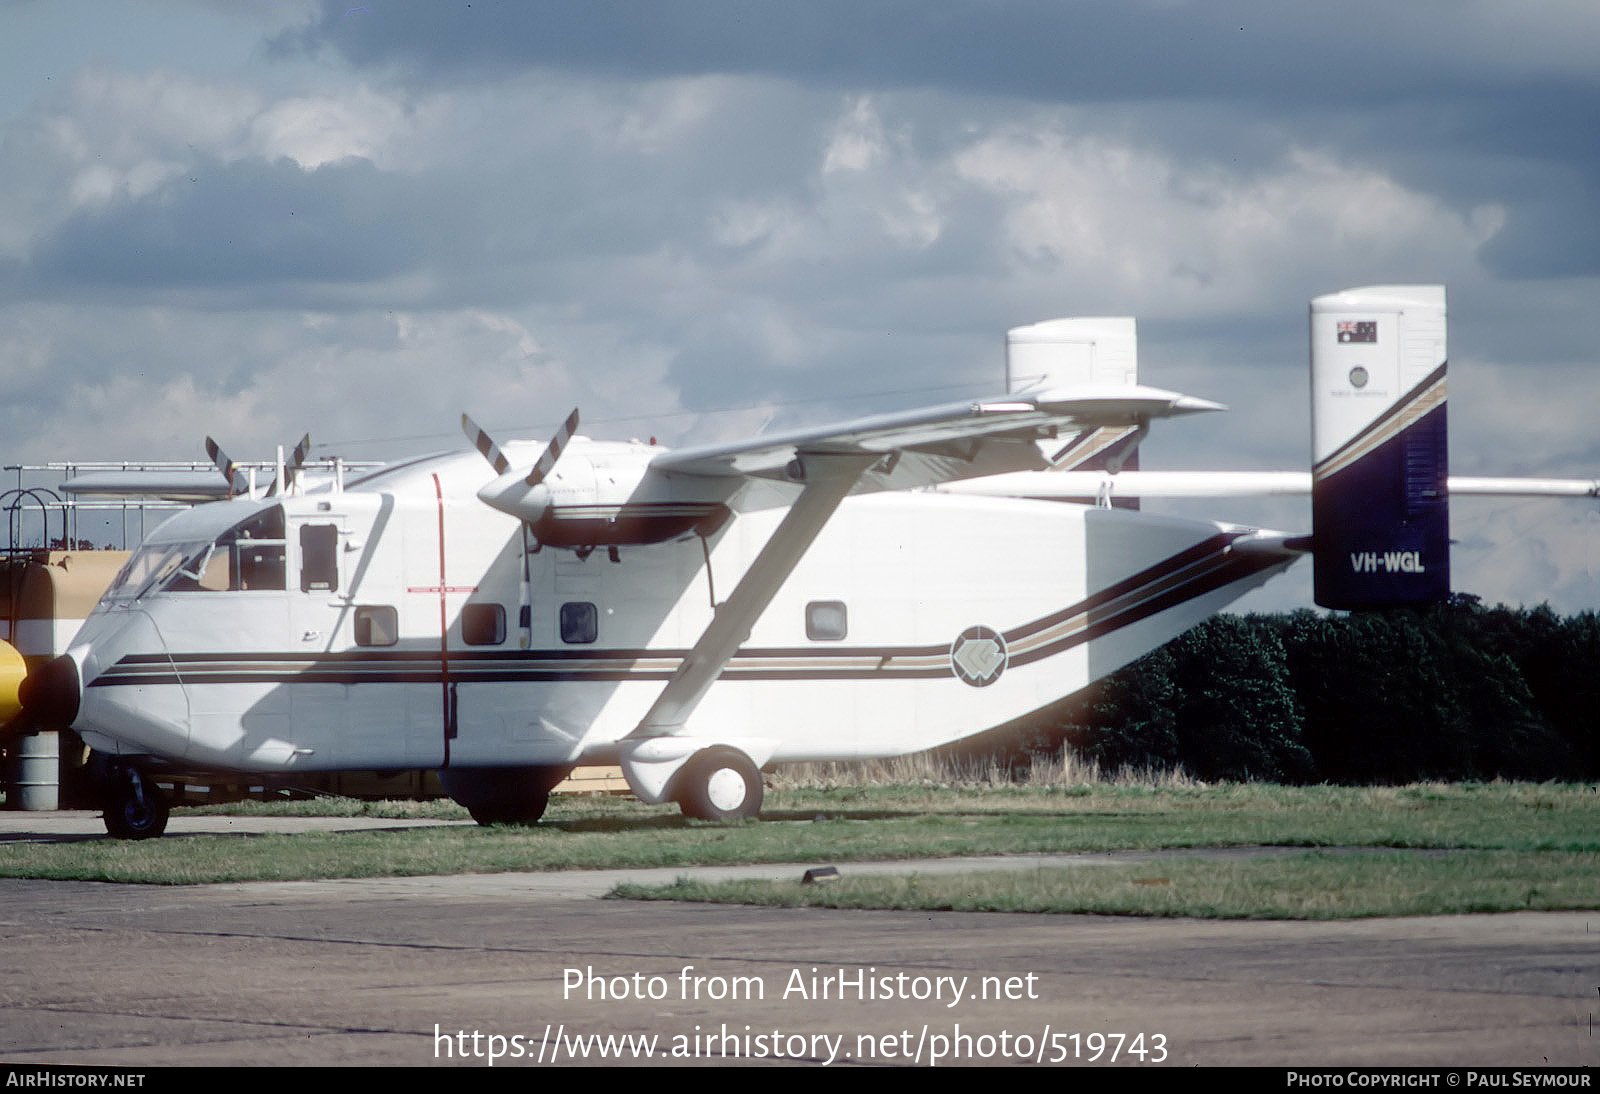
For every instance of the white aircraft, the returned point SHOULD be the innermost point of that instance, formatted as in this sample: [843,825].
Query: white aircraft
[695,615]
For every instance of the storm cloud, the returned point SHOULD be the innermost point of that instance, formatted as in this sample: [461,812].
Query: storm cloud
[691,219]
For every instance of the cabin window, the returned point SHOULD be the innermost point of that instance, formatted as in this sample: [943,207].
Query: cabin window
[255,552]
[261,566]
[319,558]
[827,621]
[483,624]
[580,622]
[377,625]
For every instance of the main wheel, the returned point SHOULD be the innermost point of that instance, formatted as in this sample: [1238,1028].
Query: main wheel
[135,806]
[719,784]
[526,811]
[502,795]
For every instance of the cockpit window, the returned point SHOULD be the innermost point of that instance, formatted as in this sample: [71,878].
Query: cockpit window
[248,556]
[153,564]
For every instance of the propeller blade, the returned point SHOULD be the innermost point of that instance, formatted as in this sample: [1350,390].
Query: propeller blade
[485,445]
[237,482]
[552,451]
[296,460]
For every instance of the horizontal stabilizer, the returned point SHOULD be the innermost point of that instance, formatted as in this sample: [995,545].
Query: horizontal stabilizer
[1097,485]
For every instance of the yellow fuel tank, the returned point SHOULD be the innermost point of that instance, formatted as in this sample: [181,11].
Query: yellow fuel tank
[12,670]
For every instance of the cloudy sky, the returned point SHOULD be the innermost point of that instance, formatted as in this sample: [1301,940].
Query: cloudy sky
[254,218]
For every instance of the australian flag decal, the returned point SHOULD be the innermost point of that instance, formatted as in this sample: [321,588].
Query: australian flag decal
[1352,330]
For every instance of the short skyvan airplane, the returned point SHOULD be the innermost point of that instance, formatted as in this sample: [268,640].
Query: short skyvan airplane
[694,615]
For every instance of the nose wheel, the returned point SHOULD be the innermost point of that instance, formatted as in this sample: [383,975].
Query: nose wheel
[135,806]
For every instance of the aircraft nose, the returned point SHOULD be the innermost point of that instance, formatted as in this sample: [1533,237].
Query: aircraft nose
[51,692]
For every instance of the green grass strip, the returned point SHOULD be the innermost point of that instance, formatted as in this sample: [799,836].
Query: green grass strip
[852,824]
[1315,885]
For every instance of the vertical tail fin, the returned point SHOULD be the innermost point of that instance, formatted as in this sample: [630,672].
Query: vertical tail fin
[1379,463]
[1084,352]
[1073,353]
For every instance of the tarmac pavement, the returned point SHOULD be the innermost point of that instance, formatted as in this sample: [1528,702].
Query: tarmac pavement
[534,969]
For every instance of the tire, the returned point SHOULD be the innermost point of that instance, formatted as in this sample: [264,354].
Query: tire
[527,811]
[719,784]
[126,816]
[502,795]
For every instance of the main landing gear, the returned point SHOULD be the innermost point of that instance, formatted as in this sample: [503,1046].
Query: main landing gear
[502,795]
[135,808]
[719,784]
[526,811]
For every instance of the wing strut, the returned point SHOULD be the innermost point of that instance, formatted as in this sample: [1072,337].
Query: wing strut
[828,478]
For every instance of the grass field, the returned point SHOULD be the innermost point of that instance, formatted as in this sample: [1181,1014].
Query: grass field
[1306,885]
[1513,846]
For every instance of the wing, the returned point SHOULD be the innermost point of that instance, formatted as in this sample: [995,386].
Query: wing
[889,452]
[935,444]
[1104,486]
[184,486]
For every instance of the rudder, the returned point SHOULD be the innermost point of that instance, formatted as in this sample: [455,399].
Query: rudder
[1379,458]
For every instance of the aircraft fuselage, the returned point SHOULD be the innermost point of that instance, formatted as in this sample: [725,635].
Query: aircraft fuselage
[402,623]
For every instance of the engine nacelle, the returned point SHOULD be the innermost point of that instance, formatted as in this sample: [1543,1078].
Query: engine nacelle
[608,502]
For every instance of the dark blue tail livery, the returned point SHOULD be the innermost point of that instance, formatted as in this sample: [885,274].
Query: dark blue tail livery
[1379,503]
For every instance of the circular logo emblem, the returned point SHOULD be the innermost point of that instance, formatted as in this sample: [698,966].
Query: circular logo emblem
[978,656]
[1358,377]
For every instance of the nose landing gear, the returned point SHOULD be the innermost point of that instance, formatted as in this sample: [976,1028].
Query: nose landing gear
[135,806]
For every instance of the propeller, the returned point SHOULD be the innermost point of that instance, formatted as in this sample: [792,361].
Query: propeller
[523,496]
[239,482]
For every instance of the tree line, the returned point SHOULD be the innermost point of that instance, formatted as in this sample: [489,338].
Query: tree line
[1450,691]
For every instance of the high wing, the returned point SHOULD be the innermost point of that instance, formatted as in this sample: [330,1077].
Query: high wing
[887,452]
[935,444]
[183,486]
[191,486]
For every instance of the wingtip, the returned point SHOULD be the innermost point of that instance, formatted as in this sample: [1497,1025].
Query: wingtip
[1152,399]
[1191,404]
